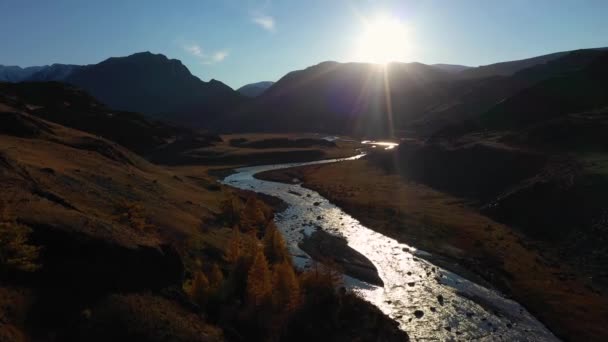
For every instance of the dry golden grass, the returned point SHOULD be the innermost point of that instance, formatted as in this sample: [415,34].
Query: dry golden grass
[90,187]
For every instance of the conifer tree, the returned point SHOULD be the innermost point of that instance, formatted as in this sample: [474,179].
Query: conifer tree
[258,280]
[252,215]
[286,289]
[234,249]
[15,252]
[231,208]
[274,245]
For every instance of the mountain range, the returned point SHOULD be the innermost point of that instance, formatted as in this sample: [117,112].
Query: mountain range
[369,100]
[142,82]
[350,98]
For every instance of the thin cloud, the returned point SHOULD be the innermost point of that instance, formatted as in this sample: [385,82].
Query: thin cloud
[264,21]
[204,57]
[195,50]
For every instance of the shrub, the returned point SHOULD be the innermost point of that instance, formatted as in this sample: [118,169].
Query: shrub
[133,215]
[15,252]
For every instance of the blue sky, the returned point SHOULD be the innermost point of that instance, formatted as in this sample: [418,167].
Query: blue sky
[239,42]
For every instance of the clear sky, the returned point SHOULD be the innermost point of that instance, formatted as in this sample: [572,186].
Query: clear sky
[246,41]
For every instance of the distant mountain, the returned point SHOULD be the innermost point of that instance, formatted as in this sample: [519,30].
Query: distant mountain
[255,89]
[153,84]
[511,67]
[55,72]
[454,68]
[17,74]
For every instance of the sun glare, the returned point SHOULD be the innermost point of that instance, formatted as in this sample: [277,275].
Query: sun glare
[383,40]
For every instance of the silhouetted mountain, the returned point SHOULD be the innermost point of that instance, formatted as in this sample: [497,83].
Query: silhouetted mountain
[55,72]
[454,68]
[574,91]
[344,97]
[511,67]
[366,99]
[153,84]
[255,89]
[473,97]
[17,74]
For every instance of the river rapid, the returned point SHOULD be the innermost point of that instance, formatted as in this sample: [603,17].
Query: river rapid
[430,303]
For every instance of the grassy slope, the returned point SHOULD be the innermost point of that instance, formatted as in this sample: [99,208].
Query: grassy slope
[106,278]
[445,225]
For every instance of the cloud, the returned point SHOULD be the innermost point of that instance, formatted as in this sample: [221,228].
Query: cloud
[264,21]
[220,55]
[194,49]
[204,57]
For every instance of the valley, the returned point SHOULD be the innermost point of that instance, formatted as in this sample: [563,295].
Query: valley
[140,202]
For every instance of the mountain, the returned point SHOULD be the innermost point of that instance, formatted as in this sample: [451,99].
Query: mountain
[17,74]
[370,100]
[572,92]
[55,72]
[255,89]
[153,84]
[344,98]
[511,67]
[454,68]
[470,98]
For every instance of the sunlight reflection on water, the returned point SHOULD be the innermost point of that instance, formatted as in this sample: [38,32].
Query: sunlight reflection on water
[430,303]
[386,144]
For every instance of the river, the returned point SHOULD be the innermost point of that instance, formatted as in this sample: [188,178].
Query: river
[430,303]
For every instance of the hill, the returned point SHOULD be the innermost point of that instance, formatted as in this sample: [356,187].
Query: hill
[510,67]
[573,91]
[72,107]
[255,89]
[453,68]
[471,98]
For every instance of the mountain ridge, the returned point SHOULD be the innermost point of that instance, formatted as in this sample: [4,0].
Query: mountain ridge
[255,89]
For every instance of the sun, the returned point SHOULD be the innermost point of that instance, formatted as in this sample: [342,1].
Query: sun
[382,40]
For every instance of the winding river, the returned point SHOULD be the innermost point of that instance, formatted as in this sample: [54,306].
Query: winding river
[430,303]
